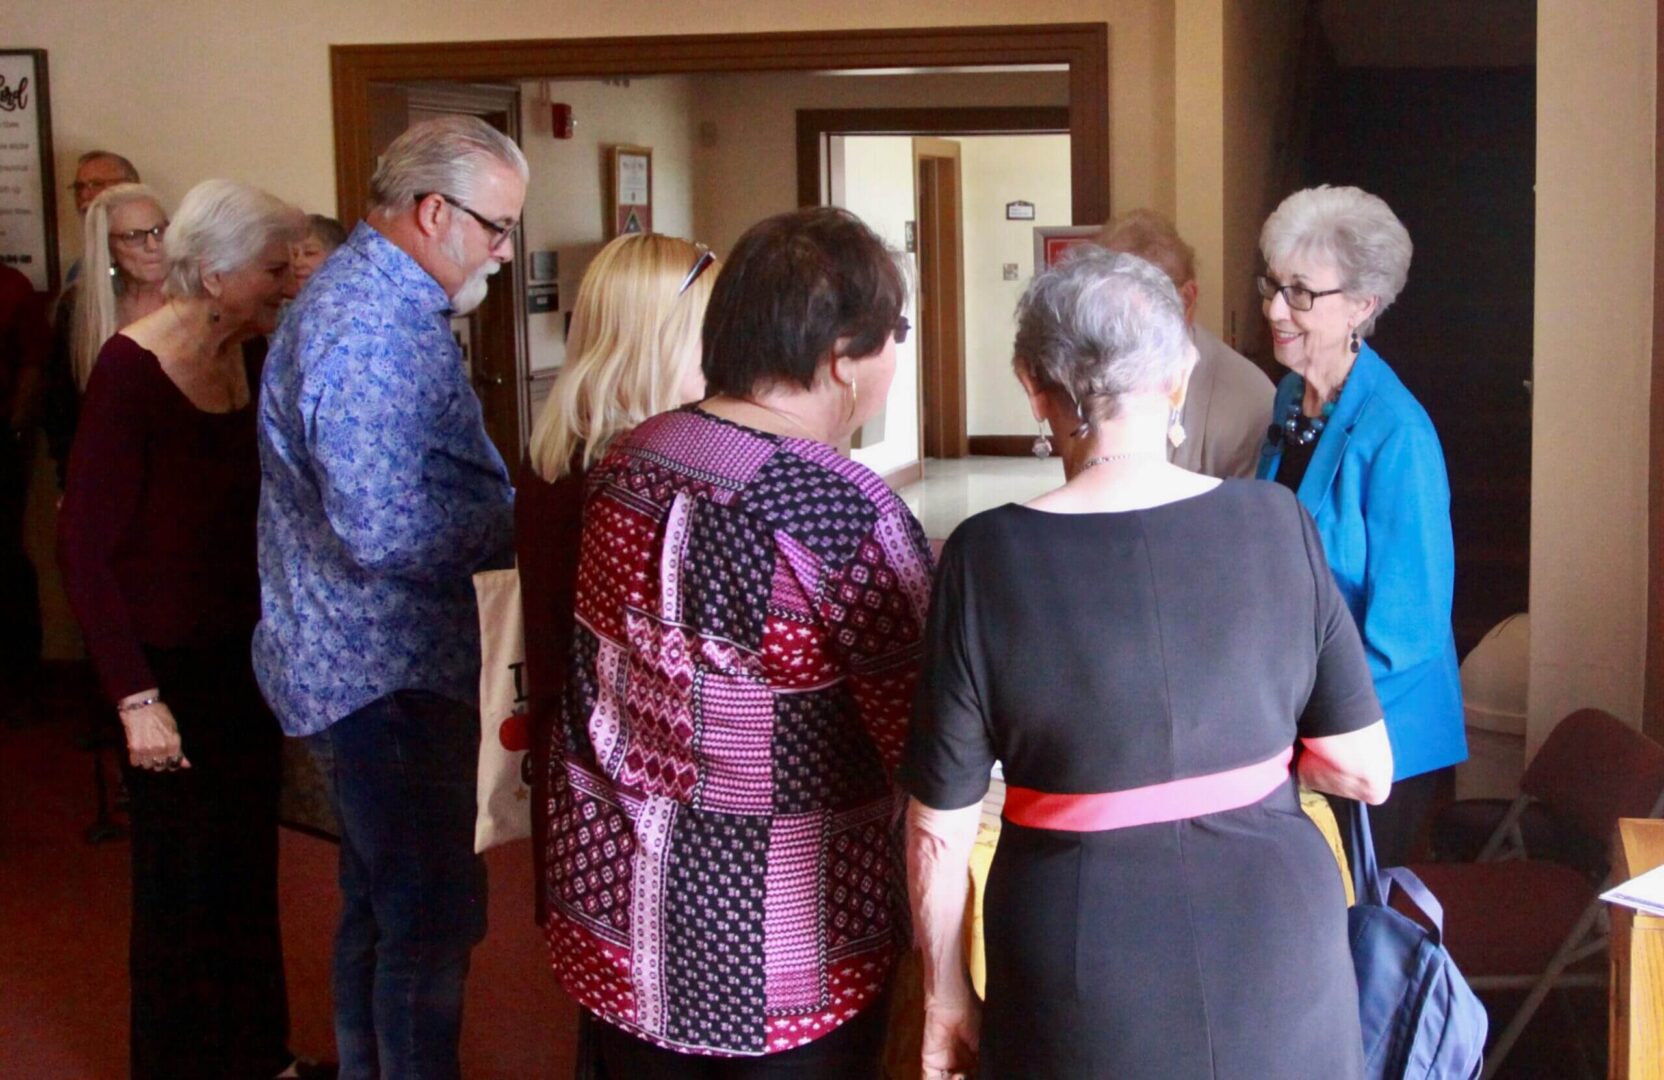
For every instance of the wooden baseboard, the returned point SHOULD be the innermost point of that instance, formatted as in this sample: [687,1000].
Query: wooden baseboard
[1003,445]
[907,474]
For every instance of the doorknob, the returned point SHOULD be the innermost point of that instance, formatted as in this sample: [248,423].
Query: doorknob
[483,379]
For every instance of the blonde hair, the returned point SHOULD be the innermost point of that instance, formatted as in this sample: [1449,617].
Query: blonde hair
[632,341]
[100,283]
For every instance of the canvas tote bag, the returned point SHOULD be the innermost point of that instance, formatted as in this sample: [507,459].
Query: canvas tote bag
[504,794]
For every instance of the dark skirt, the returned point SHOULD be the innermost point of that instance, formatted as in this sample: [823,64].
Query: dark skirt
[206,952]
[1214,947]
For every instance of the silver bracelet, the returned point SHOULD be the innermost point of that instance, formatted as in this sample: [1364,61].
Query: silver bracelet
[135,706]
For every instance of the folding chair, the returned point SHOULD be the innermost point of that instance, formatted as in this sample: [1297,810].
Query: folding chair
[1515,923]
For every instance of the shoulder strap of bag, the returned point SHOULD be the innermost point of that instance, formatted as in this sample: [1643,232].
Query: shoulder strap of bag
[1420,895]
[1366,875]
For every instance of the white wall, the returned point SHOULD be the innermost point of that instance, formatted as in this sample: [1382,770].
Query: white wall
[564,204]
[1596,77]
[996,170]
[878,187]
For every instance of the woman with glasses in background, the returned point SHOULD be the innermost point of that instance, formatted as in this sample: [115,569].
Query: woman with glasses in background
[1360,452]
[120,282]
[724,893]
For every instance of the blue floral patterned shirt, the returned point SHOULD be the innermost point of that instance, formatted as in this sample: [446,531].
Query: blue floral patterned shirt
[380,496]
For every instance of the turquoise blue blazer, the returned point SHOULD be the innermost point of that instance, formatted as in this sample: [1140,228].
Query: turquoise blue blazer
[1377,488]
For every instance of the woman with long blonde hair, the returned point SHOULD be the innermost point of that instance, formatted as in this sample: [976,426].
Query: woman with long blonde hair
[123,269]
[632,351]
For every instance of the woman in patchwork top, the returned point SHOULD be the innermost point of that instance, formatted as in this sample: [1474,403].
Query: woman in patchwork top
[725,891]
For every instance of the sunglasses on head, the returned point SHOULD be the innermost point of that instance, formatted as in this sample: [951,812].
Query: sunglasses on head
[706,258]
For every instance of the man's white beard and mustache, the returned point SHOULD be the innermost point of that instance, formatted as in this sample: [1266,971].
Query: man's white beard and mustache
[472,293]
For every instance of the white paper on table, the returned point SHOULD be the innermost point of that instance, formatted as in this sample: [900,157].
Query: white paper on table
[1643,893]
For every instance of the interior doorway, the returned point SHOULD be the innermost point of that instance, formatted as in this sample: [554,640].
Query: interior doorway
[938,197]
[492,336]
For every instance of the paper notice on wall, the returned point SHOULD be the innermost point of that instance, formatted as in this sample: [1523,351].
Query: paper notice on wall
[23,180]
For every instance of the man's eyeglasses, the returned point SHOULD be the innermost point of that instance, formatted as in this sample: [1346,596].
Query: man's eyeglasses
[1298,297]
[500,234]
[706,258]
[902,327]
[93,187]
[137,237]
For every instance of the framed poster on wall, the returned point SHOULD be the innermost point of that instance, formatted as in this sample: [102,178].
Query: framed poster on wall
[28,210]
[1052,242]
[629,190]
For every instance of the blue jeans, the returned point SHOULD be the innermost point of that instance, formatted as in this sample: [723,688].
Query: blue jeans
[402,773]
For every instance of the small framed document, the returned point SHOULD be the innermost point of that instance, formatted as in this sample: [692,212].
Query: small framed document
[629,190]
[1019,211]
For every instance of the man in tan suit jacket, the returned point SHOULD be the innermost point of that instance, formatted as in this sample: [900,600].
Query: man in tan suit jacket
[1228,406]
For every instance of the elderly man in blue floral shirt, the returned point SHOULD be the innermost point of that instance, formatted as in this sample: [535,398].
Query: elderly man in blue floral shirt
[381,496]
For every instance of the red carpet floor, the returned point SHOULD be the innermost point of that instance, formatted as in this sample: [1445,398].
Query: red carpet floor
[63,937]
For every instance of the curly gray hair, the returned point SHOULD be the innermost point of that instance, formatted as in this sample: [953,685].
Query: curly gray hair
[444,155]
[1355,230]
[1100,326]
[223,225]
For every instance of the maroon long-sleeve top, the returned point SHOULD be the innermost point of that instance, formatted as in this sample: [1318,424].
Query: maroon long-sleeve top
[156,535]
[548,525]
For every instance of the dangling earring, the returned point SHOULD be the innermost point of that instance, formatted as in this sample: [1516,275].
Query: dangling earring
[112,271]
[213,315]
[1354,342]
[1175,430]
[1042,447]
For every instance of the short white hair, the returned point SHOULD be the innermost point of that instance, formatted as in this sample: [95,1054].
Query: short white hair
[445,155]
[221,226]
[1099,326]
[1353,229]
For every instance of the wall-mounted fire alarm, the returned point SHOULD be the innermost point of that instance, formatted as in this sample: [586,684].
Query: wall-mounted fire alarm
[561,123]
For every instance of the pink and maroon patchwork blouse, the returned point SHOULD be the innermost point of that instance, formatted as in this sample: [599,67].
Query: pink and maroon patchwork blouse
[724,865]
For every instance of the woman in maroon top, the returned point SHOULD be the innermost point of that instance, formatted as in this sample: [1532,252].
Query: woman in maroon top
[157,542]
[632,351]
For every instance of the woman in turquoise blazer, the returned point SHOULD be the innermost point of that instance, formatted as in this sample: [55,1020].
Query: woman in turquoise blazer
[1362,455]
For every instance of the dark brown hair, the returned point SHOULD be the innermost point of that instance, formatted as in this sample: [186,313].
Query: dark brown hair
[792,287]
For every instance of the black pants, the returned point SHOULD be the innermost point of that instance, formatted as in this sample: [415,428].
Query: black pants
[20,636]
[206,951]
[853,1052]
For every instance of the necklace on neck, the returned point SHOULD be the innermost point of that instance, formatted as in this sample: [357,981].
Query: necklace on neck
[1105,459]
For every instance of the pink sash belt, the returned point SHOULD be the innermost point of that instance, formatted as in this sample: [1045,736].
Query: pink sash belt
[1174,800]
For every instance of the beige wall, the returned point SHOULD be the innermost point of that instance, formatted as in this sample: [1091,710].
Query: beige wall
[1596,72]
[1260,41]
[1199,145]
[197,88]
[751,171]
[997,170]
[565,210]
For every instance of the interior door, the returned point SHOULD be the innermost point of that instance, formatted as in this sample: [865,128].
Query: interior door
[940,237]
[493,337]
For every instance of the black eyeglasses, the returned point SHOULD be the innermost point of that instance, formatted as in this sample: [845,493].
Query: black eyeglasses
[706,258]
[499,234]
[136,237]
[1298,297]
[902,326]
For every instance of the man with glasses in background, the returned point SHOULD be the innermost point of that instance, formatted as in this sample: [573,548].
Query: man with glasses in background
[1227,406]
[96,170]
[381,497]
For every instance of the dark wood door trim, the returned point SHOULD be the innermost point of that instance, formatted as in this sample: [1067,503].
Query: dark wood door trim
[813,125]
[1652,714]
[1084,47]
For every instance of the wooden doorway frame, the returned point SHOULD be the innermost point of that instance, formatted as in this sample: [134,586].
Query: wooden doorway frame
[938,213]
[1652,710]
[1084,47]
[356,72]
